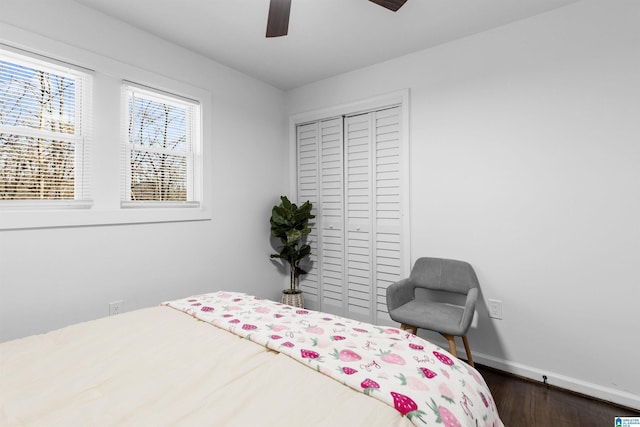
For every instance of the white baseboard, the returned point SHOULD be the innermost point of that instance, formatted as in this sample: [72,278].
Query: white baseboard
[597,391]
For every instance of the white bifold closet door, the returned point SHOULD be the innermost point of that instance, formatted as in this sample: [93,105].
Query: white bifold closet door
[350,169]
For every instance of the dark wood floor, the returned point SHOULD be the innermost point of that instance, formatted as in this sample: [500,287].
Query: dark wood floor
[523,403]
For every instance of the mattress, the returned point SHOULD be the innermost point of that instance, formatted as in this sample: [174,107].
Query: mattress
[229,359]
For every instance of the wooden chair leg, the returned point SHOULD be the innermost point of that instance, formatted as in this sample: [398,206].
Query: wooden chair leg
[467,349]
[412,329]
[452,344]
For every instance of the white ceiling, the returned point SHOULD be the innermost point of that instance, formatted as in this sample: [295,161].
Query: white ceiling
[326,37]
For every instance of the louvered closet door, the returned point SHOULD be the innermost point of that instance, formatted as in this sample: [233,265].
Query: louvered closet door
[359,195]
[320,180]
[373,213]
[388,207]
[308,189]
[331,221]
[350,169]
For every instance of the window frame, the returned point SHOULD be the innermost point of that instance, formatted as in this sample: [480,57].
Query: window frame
[193,157]
[107,76]
[81,139]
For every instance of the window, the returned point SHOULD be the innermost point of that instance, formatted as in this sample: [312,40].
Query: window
[44,132]
[160,164]
[82,145]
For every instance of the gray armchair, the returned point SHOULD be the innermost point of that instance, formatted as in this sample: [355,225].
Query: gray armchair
[436,274]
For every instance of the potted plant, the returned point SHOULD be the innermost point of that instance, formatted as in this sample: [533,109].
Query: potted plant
[290,224]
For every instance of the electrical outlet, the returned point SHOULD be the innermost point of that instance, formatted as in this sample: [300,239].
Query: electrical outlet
[116,307]
[495,308]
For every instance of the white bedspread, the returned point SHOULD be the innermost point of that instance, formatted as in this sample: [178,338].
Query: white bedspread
[159,367]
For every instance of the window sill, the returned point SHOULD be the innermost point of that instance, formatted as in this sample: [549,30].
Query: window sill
[43,205]
[161,205]
[54,217]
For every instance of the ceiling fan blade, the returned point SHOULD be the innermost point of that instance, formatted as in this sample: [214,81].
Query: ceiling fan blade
[278,21]
[393,5]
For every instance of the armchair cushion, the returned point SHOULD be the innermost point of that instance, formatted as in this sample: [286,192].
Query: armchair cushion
[435,316]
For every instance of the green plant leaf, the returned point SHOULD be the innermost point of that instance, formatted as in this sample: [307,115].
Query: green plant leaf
[286,204]
[293,236]
[304,251]
[290,224]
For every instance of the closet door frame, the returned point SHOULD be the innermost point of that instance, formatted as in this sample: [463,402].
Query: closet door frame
[398,98]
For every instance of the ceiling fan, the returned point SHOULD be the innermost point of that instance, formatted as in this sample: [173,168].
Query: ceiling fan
[278,21]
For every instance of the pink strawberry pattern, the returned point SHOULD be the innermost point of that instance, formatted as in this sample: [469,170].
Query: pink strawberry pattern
[348,371]
[346,355]
[421,381]
[369,386]
[387,356]
[445,416]
[406,406]
[412,382]
[309,354]
[484,400]
[315,330]
[443,358]
[446,393]
[427,373]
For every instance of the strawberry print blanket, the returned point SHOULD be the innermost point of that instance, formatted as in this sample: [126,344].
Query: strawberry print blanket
[422,381]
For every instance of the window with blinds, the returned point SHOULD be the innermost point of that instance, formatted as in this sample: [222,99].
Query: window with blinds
[44,132]
[161,142]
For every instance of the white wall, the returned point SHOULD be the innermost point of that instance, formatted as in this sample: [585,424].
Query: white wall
[525,161]
[53,277]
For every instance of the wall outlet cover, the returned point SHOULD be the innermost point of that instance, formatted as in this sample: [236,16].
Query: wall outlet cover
[116,307]
[495,308]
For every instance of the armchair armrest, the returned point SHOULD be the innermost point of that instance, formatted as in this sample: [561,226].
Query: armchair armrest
[399,293]
[469,308]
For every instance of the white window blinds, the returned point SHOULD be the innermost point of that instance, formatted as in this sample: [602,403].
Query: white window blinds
[44,132]
[161,142]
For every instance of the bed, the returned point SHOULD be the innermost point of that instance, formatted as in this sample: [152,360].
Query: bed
[231,359]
